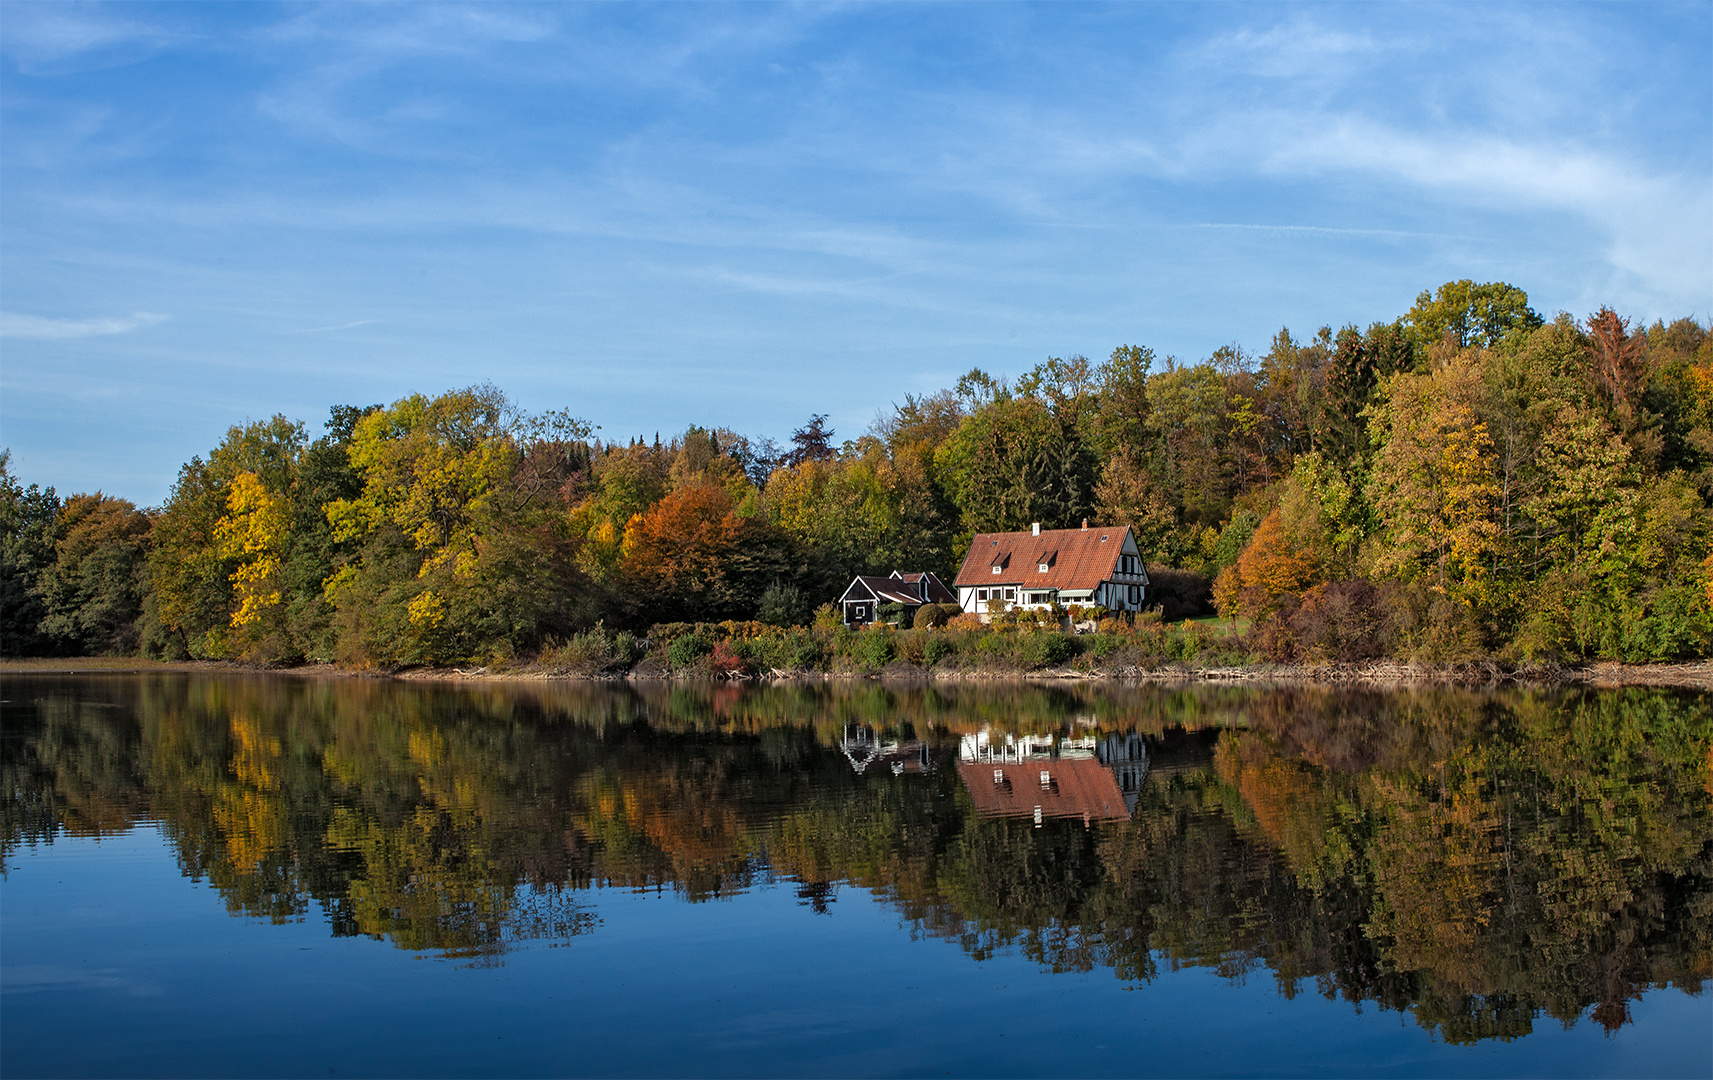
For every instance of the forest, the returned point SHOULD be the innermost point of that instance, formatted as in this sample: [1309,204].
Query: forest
[1468,481]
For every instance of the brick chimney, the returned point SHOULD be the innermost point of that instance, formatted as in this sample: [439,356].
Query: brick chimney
[1085,524]
[1035,528]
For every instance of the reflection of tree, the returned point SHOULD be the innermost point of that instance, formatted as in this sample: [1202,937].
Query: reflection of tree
[1479,859]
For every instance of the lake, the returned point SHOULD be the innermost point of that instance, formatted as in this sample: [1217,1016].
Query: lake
[251,875]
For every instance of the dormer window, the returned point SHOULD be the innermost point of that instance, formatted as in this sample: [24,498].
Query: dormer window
[1041,567]
[996,568]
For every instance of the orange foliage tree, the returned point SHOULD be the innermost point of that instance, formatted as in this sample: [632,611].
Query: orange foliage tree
[1272,566]
[692,557]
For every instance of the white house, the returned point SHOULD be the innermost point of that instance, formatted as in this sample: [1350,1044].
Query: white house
[1037,569]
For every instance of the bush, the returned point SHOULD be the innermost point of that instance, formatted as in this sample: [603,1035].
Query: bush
[627,649]
[935,649]
[727,660]
[873,649]
[1046,649]
[1341,620]
[1185,642]
[827,618]
[1101,646]
[894,613]
[586,651]
[933,616]
[787,650]
[687,649]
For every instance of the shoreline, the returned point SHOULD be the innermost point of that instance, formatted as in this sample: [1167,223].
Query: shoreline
[1688,675]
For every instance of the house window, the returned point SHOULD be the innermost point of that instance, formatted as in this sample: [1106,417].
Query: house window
[1042,567]
[996,568]
[1135,594]
[1011,594]
[981,594]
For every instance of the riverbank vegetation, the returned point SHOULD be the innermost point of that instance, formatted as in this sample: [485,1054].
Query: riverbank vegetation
[1469,481]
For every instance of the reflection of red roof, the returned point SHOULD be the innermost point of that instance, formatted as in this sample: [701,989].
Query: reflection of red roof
[1075,558]
[1077,787]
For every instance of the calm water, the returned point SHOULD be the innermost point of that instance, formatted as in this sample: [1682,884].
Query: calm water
[251,876]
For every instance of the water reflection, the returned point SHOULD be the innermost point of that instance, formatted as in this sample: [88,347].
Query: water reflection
[1478,859]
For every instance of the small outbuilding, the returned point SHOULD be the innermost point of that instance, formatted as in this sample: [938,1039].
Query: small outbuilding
[861,602]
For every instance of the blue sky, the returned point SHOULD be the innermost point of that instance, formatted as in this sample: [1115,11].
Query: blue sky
[742,214]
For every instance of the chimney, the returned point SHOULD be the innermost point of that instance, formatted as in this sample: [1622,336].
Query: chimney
[1085,524]
[1035,527]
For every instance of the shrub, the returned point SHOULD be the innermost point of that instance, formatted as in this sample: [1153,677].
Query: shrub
[793,649]
[1342,620]
[1101,646]
[894,613]
[1185,642]
[873,649]
[1046,649]
[627,649]
[931,616]
[726,659]
[827,618]
[935,649]
[588,650]
[687,649]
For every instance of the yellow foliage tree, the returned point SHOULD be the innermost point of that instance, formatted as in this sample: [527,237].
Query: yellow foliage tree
[1434,484]
[254,530]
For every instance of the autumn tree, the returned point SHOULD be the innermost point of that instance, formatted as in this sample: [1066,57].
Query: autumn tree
[92,592]
[27,517]
[1470,314]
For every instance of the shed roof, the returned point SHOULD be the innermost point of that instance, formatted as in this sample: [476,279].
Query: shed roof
[933,590]
[915,588]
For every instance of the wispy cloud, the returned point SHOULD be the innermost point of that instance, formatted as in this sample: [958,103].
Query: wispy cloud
[330,329]
[46,39]
[14,325]
[1320,230]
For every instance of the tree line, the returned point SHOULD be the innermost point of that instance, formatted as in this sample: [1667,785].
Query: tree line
[1471,478]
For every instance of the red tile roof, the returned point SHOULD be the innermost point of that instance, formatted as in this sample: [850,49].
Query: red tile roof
[1077,787]
[1075,558]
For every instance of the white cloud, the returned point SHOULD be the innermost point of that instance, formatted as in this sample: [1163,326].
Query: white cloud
[13,325]
[1294,50]
[330,329]
[48,39]
[1659,227]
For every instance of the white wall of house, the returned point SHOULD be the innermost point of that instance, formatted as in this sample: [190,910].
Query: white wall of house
[1125,590]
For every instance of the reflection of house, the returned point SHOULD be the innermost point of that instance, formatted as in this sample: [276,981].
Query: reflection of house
[1037,569]
[864,750]
[865,595]
[1126,757]
[1044,776]
[986,745]
[1076,787]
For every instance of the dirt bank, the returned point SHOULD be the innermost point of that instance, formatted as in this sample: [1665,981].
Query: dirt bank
[1693,675]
